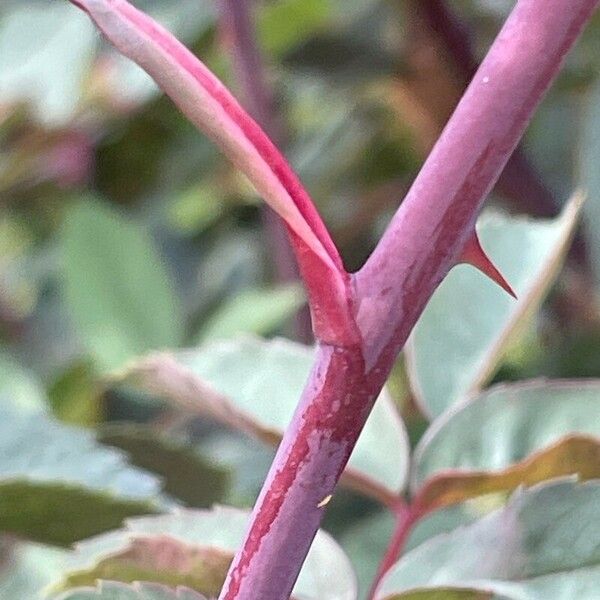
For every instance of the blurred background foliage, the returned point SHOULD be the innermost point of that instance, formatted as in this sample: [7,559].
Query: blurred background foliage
[123,231]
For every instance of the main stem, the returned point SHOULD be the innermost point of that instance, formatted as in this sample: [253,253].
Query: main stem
[420,246]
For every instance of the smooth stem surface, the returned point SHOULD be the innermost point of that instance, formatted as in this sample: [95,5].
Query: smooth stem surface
[420,246]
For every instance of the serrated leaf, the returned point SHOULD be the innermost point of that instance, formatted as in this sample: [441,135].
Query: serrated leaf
[110,590]
[258,311]
[116,286]
[57,485]
[542,544]
[254,385]
[185,474]
[510,435]
[465,329]
[195,548]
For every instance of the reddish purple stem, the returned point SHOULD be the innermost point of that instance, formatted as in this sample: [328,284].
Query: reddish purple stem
[418,249]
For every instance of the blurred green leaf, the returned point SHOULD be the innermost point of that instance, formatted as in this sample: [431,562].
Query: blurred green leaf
[28,568]
[508,436]
[75,396]
[19,388]
[246,459]
[590,175]
[110,590]
[196,208]
[194,548]
[253,385]
[254,310]
[447,594]
[116,286]
[185,474]
[465,329]
[57,485]
[283,24]
[543,544]
[45,52]
[366,540]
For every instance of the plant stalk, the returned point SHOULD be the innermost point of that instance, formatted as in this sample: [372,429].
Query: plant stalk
[422,243]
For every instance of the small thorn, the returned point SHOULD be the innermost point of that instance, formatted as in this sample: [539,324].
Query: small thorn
[474,254]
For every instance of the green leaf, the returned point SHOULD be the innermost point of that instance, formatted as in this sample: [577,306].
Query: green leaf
[366,540]
[57,485]
[195,548]
[465,329]
[542,544]
[20,388]
[284,24]
[254,310]
[254,385]
[45,53]
[110,590]
[116,286]
[245,458]
[446,594]
[510,435]
[76,397]
[185,474]
[590,176]
[27,569]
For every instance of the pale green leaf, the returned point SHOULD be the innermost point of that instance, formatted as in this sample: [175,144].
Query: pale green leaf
[116,286]
[510,435]
[45,53]
[543,544]
[254,310]
[254,385]
[195,548]
[465,329]
[57,485]
[20,388]
[110,590]
[28,568]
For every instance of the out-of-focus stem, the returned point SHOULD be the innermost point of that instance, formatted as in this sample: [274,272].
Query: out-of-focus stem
[249,68]
[519,182]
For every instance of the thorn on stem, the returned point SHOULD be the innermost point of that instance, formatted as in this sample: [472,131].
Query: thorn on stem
[474,255]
